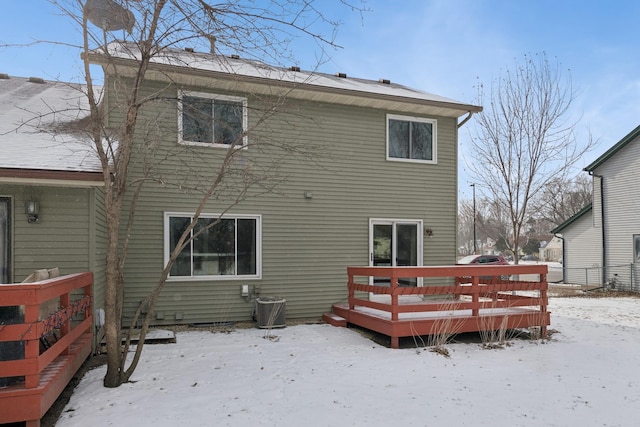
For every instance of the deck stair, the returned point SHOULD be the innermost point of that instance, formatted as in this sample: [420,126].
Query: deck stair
[334,319]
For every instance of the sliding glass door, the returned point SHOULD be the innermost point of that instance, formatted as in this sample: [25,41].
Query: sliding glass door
[395,243]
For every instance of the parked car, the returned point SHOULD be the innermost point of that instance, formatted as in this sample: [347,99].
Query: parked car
[485,260]
[529,258]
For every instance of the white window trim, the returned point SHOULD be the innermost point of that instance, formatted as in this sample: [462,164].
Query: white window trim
[434,136]
[245,119]
[167,248]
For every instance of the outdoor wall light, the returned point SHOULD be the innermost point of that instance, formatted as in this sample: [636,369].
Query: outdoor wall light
[428,232]
[32,209]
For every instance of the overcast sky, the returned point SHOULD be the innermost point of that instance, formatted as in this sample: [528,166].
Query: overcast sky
[444,47]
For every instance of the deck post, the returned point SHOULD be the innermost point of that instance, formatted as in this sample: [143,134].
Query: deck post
[31,347]
[394,298]
[543,304]
[351,290]
[475,296]
[395,342]
[65,301]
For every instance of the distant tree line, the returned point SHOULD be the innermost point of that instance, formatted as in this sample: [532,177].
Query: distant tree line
[558,201]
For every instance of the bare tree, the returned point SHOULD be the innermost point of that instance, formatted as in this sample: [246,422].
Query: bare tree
[491,222]
[128,144]
[525,138]
[465,227]
[561,199]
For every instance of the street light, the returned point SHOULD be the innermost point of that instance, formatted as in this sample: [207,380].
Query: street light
[474,218]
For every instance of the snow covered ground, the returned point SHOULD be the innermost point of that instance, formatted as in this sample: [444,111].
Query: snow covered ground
[588,374]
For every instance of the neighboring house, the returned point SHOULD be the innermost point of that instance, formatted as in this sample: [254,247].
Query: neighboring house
[613,242]
[582,254]
[551,250]
[489,247]
[45,165]
[380,190]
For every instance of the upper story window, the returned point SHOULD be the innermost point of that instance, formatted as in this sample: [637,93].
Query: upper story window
[411,139]
[222,248]
[212,120]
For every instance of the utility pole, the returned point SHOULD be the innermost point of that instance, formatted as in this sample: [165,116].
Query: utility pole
[474,218]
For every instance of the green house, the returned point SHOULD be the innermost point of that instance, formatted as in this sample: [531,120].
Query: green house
[328,171]
[50,184]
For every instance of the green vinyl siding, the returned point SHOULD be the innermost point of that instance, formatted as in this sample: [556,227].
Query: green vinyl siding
[98,233]
[61,238]
[307,243]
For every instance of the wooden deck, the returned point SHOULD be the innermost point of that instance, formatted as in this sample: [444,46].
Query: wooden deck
[453,299]
[36,380]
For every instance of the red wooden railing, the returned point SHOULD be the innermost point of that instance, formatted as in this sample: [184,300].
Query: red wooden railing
[475,294]
[38,378]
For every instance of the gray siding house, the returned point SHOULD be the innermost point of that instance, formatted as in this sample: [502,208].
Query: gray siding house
[356,172]
[615,234]
[582,257]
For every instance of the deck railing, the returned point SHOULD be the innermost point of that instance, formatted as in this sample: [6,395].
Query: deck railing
[51,347]
[485,296]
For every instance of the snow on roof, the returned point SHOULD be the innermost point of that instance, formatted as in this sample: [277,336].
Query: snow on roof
[36,122]
[256,69]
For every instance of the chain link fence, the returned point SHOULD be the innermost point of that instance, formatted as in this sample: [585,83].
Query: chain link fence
[621,277]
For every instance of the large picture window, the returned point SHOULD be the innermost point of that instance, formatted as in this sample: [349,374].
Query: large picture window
[213,120]
[411,139]
[222,248]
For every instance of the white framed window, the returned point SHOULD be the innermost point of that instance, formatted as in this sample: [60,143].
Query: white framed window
[222,248]
[211,120]
[636,248]
[411,139]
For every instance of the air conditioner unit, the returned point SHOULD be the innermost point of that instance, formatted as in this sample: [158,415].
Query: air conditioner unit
[271,312]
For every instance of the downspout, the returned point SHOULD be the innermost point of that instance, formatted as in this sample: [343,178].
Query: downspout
[465,120]
[564,258]
[604,244]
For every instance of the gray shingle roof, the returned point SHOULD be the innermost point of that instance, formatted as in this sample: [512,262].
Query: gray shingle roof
[36,126]
[310,85]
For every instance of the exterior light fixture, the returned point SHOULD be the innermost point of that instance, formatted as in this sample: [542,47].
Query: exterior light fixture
[32,209]
[428,232]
